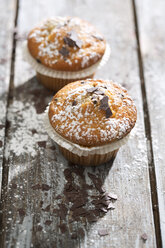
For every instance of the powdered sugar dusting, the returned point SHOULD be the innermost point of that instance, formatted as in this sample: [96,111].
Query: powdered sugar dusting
[27,130]
[49,39]
[85,120]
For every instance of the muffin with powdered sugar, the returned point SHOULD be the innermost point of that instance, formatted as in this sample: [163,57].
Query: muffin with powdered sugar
[90,120]
[65,49]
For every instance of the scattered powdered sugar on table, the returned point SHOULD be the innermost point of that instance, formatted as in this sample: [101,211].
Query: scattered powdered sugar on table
[27,129]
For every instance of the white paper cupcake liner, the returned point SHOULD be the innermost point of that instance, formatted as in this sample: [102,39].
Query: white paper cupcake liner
[77,149]
[64,74]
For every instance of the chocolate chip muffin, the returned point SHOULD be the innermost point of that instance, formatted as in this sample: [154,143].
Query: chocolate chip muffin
[90,120]
[64,49]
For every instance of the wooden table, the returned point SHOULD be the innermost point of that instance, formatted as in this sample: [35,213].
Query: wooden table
[33,174]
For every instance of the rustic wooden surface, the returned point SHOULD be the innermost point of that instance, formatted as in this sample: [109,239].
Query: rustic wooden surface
[33,170]
[152,40]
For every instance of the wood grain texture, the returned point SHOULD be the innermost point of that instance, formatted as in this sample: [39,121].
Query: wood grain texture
[29,214]
[7,10]
[152,40]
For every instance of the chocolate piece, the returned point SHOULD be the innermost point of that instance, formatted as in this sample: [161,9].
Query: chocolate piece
[64,51]
[35,187]
[42,144]
[48,222]
[82,82]
[69,41]
[72,39]
[63,228]
[92,89]
[21,212]
[103,232]
[144,237]
[45,187]
[38,60]
[55,99]
[112,196]
[111,206]
[78,203]
[105,106]
[98,37]
[74,103]
[47,209]
[103,210]
[73,36]
[104,103]
[108,112]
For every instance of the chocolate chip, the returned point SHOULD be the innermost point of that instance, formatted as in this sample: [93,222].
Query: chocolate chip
[47,209]
[42,144]
[64,51]
[74,103]
[63,228]
[111,206]
[21,212]
[104,103]
[105,106]
[69,41]
[48,222]
[103,210]
[73,36]
[82,82]
[35,187]
[92,89]
[103,232]
[72,39]
[98,37]
[38,60]
[112,196]
[55,99]
[45,187]
[108,112]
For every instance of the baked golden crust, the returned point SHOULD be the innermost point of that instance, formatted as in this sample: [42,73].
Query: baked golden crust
[92,112]
[66,44]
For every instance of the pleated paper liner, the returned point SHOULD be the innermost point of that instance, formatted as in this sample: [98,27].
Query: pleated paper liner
[46,75]
[89,160]
[83,155]
[56,84]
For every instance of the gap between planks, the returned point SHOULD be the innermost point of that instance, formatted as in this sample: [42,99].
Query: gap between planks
[5,168]
[151,163]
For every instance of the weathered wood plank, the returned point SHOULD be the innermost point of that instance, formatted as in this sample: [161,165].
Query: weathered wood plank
[7,13]
[152,40]
[37,172]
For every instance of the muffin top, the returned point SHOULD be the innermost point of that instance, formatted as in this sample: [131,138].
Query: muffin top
[92,112]
[66,44]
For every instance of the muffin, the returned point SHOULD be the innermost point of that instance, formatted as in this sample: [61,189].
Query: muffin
[65,49]
[90,119]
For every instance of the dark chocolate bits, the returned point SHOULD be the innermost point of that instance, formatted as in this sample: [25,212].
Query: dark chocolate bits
[105,106]
[64,51]
[72,39]
[74,103]
[97,37]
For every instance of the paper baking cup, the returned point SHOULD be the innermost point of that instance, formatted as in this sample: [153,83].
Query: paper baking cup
[83,155]
[56,84]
